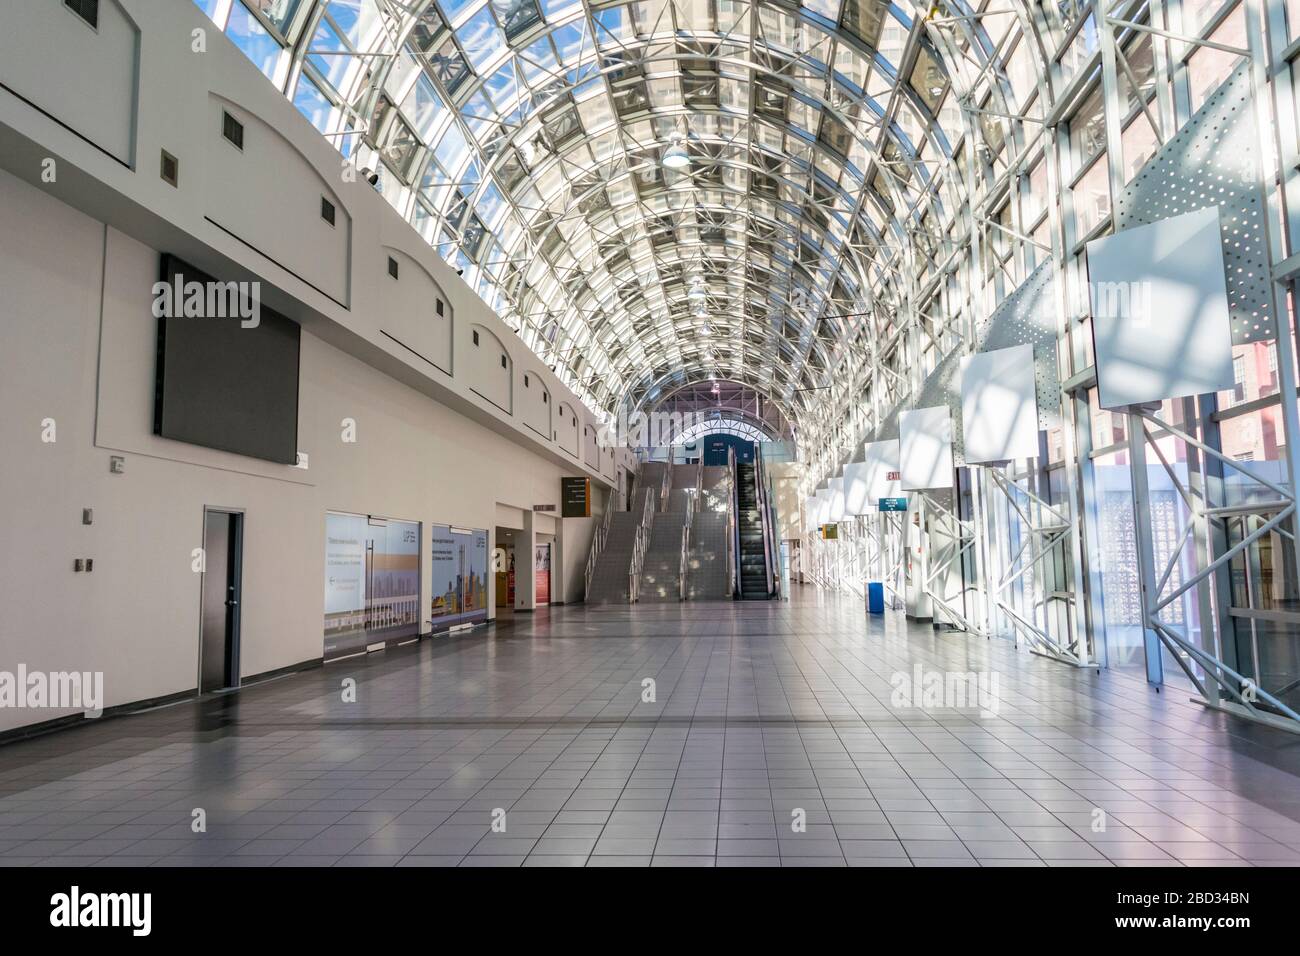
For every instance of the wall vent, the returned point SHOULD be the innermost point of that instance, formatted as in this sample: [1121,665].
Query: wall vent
[232,130]
[170,169]
[88,10]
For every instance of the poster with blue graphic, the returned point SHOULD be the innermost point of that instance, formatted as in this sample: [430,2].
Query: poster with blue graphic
[460,576]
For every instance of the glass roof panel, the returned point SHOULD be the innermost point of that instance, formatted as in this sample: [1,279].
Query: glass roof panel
[641,186]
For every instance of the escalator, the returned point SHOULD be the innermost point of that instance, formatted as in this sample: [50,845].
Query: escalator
[754,579]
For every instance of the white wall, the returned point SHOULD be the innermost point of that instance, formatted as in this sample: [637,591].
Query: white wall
[785,476]
[535,403]
[568,431]
[250,216]
[289,230]
[77,341]
[101,106]
[78,257]
[411,313]
[487,368]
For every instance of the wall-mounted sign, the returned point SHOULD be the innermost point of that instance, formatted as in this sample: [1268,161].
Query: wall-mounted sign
[575,497]
[830,532]
[543,507]
[893,504]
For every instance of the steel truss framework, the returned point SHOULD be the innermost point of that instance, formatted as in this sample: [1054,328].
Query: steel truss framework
[1012,528]
[865,183]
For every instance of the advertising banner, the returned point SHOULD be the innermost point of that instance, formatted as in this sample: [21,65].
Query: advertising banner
[542,566]
[372,582]
[460,576]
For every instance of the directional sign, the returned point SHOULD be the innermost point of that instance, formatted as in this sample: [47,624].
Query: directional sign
[893,504]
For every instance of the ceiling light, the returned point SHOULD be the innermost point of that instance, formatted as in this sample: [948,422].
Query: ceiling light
[675,156]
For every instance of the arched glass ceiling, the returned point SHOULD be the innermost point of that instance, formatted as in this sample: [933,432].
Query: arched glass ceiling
[725,426]
[526,140]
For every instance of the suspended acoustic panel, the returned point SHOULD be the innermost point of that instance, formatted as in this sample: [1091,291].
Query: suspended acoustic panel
[1214,160]
[925,448]
[1160,324]
[1029,316]
[998,406]
[943,387]
[873,478]
[835,507]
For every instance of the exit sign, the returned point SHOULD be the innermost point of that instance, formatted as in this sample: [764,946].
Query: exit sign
[893,504]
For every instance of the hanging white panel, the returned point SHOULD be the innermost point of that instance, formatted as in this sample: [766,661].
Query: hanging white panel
[835,507]
[823,505]
[925,448]
[1160,322]
[856,499]
[810,512]
[873,478]
[999,413]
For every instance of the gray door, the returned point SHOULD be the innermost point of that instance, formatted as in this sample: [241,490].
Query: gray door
[219,648]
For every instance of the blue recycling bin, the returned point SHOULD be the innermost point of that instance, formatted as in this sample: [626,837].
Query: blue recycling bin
[875,597]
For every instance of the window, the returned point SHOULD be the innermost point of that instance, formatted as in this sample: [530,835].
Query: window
[525,381]
[1239,379]
[88,10]
[169,169]
[545,398]
[503,362]
[438,305]
[327,210]
[392,267]
[232,130]
[475,334]
[1091,198]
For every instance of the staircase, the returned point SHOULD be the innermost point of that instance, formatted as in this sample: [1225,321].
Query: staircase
[661,567]
[753,554]
[706,561]
[675,507]
[708,575]
[609,577]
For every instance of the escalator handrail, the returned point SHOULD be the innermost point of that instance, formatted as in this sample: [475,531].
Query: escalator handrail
[760,497]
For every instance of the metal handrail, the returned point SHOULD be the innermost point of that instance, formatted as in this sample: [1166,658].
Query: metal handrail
[597,545]
[733,524]
[686,550]
[667,487]
[686,538]
[639,545]
[765,522]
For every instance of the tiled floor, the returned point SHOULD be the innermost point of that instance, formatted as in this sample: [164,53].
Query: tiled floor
[760,711]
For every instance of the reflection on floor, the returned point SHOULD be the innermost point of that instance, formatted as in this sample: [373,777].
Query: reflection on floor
[772,734]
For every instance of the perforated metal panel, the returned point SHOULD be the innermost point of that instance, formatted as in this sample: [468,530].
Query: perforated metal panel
[943,387]
[1214,161]
[1028,317]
